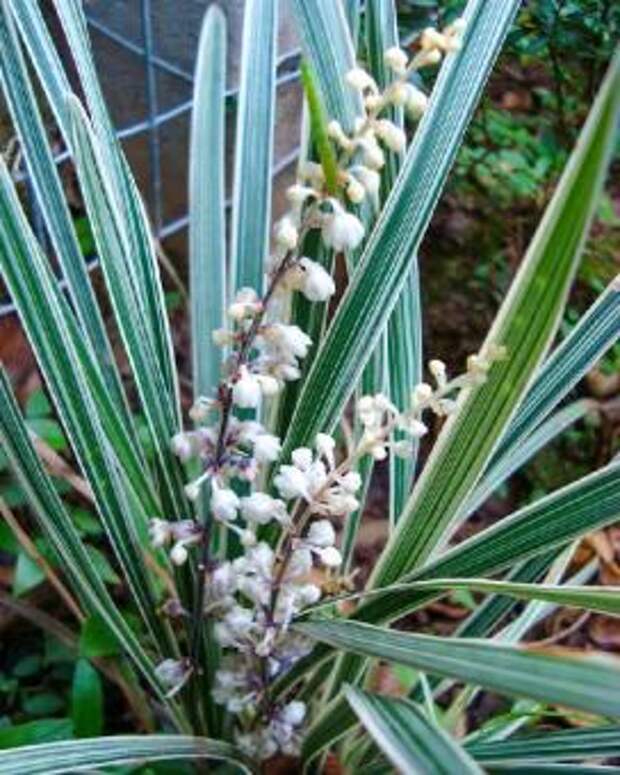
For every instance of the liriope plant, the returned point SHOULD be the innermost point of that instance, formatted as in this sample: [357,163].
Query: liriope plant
[234,533]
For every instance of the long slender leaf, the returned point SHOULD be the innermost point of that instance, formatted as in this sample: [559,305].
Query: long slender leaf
[60,530]
[593,335]
[90,754]
[46,182]
[108,233]
[141,261]
[523,450]
[86,414]
[525,326]
[407,738]
[567,744]
[207,234]
[583,682]
[326,39]
[374,290]
[254,146]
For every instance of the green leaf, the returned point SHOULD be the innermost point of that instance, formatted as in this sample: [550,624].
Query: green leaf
[525,326]
[55,211]
[207,232]
[59,529]
[522,450]
[112,246]
[604,600]
[588,341]
[27,575]
[86,700]
[97,639]
[90,754]
[326,40]
[603,742]
[318,128]
[386,260]
[410,741]
[37,405]
[254,146]
[586,683]
[141,264]
[36,732]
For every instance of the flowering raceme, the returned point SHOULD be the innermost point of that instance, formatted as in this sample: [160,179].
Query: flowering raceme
[253,598]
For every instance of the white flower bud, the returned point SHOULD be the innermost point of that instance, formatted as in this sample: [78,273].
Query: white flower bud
[392,136]
[360,80]
[342,230]
[178,554]
[321,534]
[422,393]
[314,173]
[290,340]
[325,446]
[308,594]
[267,448]
[287,372]
[373,103]
[221,337]
[330,557]
[370,179]
[417,428]
[438,370]
[248,538]
[302,458]
[192,491]
[297,194]
[291,483]
[294,713]
[431,39]
[300,564]
[317,284]
[355,191]
[201,408]
[372,153]
[159,532]
[286,234]
[336,132]
[181,446]
[246,304]
[246,391]
[262,508]
[224,503]
[171,672]
[351,482]
[416,102]
[397,94]
[396,59]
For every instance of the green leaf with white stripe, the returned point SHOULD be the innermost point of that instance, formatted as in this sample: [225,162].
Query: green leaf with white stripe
[254,146]
[525,326]
[568,744]
[383,268]
[326,39]
[44,176]
[588,341]
[207,208]
[95,753]
[58,527]
[583,682]
[141,262]
[409,740]
[605,600]
[521,451]
[106,222]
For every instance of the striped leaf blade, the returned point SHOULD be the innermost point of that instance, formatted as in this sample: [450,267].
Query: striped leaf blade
[207,207]
[254,146]
[525,326]
[141,261]
[92,754]
[44,176]
[409,740]
[58,526]
[579,681]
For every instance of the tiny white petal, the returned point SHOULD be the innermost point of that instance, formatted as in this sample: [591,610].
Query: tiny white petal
[267,448]
[330,556]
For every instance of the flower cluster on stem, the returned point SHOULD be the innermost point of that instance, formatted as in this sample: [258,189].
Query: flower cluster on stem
[253,598]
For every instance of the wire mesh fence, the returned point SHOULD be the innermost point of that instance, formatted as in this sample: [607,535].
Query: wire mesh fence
[154,115]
